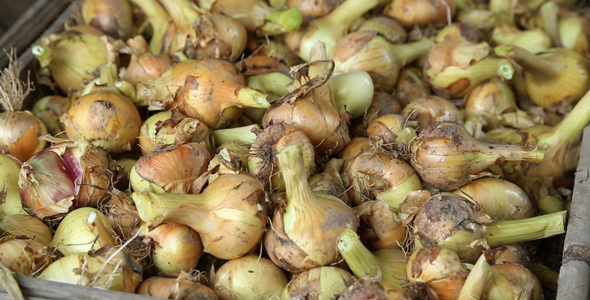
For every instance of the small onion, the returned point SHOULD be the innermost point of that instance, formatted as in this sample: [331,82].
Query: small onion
[113,17]
[176,248]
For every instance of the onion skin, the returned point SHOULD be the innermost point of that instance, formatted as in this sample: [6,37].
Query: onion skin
[9,189]
[249,277]
[106,118]
[176,248]
[379,227]
[19,133]
[24,256]
[410,85]
[365,288]
[173,288]
[387,27]
[312,9]
[49,109]
[431,109]
[145,66]
[514,254]
[516,282]
[421,12]
[330,182]
[318,283]
[220,37]
[113,17]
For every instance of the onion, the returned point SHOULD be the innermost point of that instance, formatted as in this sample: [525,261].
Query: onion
[82,269]
[263,158]
[421,12]
[534,40]
[314,9]
[328,29]
[121,214]
[354,50]
[277,50]
[311,109]
[172,169]
[24,225]
[318,283]
[175,288]
[144,65]
[249,277]
[388,128]
[510,281]
[477,280]
[454,66]
[379,175]
[25,256]
[453,222]
[49,109]
[330,182]
[259,17]
[159,21]
[440,268]
[514,254]
[386,27]
[428,110]
[410,85]
[379,226]
[290,244]
[82,230]
[274,84]
[382,104]
[480,19]
[217,79]
[176,248]
[500,199]
[73,55]
[113,17]
[106,118]
[352,91]
[466,158]
[366,288]
[386,265]
[260,65]
[227,214]
[9,191]
[458,31]
[546,74]
[574,33]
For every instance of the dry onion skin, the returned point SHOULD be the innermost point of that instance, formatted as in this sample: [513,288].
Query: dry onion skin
[49,109]
[25,256]
[113,17]
[318,283]
[421,12]
[12,204]
[175,288]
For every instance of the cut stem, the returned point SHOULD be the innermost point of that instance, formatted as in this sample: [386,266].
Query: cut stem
[410,52]
[515,231]
[250,97]
[530,61]
[279,22]
[242,134]
[569,127]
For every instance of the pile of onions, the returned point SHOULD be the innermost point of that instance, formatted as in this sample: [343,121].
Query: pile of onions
[280,149]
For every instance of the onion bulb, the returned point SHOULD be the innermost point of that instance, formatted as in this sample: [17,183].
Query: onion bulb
[440,268]
[431,109]
[82,230]
[289,243]
[113,17]
[249,277]
[175,248]
[367,51]
[514,253]
[352,91]
[318,283]
[386,27]
[25,256]
[366,288]
[380,227]
[49,109]
[390,129]
[172,169]
[263,158]
[534,40]
[330,182]
[121,214]
[175,288]
[421,12]
[9,190]
[465,158]
[410,85]
[453,67]
[386,265]
[513,281]
[144,65]
[24,225]
[106,118]
[457,31]
[312,9]
[574,33]
[556,79]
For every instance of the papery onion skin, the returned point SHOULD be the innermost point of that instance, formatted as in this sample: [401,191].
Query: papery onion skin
[176,248]
[145,66]
[518,282]
[421,12]
[431,109]
[24,256]
[163,287]
[318,283]
[25,225]
[19,133]
[114,17]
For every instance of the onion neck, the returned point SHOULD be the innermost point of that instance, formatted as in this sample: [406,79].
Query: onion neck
[43,54]
[477,281]
[548,13]
[534,64]
[151,206]
[486,68]
[515,231]
[569,127]
[159,19]
[279,22]
[346,13]
[407,53]
[360,260]
[513,152]
[242,134]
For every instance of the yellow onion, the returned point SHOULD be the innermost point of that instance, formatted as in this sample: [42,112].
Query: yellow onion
[546,75]
[263,159]
[421,12]
[492,104]
[366,288]
[172,169]
[379,226]
[515,254]
[311,109]
[73,55]
[457,31]
[227,214]
[170,127]
[259,17]
[217,79]
[25,256]
[82,269]
[379,175]
[387,128]
[113,17]
[382,104]
[234,152]
[453,222]
[11,204]
[574,33]
[330,182]
[513,281]
[175,248]
[385,266]
[356,147]
[440,268]
[106,118]
[352,91]
[249,277]
[454,66]
[312,9]
[367,51]
[431,109]
[144,65]
[24,225]
[159,93]
[498,198]
[274,84]
[82,230]
[465,158]
[534,40]
[328,29]
[49,109]
[387,27]
[289,243]
[318,284]
[480,19]
[175,288]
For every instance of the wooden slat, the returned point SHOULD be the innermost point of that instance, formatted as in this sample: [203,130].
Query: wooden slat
[30,25]
[38,289]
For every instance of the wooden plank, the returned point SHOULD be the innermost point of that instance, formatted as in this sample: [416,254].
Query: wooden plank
[11,11]
[30,25]
[38,289]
